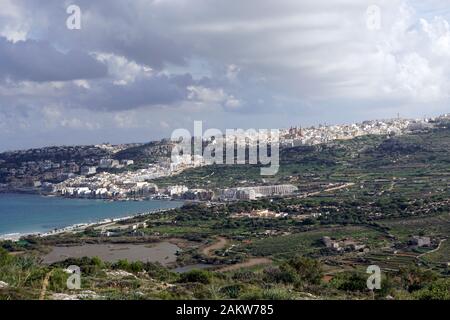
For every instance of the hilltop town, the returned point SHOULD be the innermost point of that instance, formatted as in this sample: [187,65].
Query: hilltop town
[309,232]
[105,172]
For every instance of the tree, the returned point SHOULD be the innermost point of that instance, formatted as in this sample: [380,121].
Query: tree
[437,290]
[414,278]
[200,276]
[309,271]
[350,281]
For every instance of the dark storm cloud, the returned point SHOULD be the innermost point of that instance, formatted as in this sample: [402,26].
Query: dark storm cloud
[156,90]
[101,95]
[39,61]
[137,30]
[284,60]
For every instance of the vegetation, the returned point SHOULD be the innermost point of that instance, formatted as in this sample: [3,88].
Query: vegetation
[399,190]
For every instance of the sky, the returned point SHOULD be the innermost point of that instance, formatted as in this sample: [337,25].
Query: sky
[138,69]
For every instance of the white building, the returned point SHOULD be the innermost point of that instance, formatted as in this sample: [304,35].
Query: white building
[87,171]
[176,190]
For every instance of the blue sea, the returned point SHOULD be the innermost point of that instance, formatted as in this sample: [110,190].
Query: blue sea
[20,213]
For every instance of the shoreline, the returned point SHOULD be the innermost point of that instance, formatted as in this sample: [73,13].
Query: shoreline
[81,226]
[37,192]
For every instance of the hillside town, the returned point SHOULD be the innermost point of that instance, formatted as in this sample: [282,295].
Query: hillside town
[94,171]
[297,136]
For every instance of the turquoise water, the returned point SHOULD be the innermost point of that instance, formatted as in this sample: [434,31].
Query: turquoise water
[32,213]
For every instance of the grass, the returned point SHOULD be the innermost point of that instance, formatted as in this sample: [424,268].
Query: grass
[434,226]
[440,256]
[308,242]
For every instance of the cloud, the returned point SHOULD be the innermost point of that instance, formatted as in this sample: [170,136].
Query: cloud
[12,25]
[39,61]
[213,96]
[282,62]
[122,70]
[159,89]
[232,72]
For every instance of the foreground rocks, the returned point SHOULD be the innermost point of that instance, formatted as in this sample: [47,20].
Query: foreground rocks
[84,295]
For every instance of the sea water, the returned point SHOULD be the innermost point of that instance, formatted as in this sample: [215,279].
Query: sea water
[24,214]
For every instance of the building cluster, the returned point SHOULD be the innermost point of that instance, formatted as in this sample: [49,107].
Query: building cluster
[420,241]
[255,214]
[31,173]
[105,163]
[294,137]
[252,193]
[112,185]
[182,192]
[198,194]
[347,244]
[177,190]
[33,167]
[129,184]
[86,170]
[182,162]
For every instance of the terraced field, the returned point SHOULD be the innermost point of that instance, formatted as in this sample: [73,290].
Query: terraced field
[441,256]
[434,226]
[309,242]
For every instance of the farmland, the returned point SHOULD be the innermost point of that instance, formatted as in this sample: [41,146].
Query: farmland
[393,190]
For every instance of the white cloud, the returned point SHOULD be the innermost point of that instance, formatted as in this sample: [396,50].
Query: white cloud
[233,103]
[82,84]
[438,31]
[276,59]
[233,72]
[206,95]
[210,96]
[123,70]
[13,25]
[126,119]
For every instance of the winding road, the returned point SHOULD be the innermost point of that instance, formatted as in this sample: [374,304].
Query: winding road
[434,250]
[222,243]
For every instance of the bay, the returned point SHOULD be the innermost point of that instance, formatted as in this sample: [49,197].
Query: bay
[24,213]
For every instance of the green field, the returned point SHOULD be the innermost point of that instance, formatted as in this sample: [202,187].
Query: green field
[309,242]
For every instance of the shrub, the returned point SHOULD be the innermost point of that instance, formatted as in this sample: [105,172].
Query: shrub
[414,278]
[88,266]
[121,265]
[16,270]
[244,275]
[276,294]
[5,257]
[285,274]
[157,271]
[232,291]
[438,290]
[308,270]
[58,280]
[349,281]
[136,267]
[254,294]
[199,276]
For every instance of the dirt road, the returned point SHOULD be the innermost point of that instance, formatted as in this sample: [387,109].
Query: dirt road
[434,250]
[220,244]
[249,263]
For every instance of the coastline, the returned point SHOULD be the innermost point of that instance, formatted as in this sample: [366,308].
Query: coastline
[81,226]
